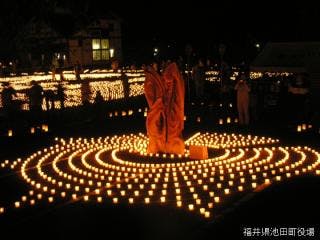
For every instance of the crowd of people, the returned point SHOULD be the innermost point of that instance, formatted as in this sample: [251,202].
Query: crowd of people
[253,99]
[250,97]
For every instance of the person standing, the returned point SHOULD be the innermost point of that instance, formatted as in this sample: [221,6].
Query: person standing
[199,77]
[60,95]
[243,90]
[54,65]
[7,95]
[77,70]
[115,65]
[35,94]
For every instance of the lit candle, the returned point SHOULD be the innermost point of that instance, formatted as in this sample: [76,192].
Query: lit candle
[1,210]
[179,204]
[147,200]
[163,199]
[202,210]
[74,196]
[298,128]
[45,127]
[10,133]
[191,207]
[207,214]
[130,200]
[115,200]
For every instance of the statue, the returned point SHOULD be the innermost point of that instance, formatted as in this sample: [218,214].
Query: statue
[165,120]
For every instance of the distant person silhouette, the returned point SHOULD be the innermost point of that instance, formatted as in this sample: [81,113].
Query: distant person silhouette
[7,95]
[243,90]
[77,70]
[35,94]
[60,95]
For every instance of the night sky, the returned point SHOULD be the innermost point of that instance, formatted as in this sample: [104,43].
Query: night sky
[170,25]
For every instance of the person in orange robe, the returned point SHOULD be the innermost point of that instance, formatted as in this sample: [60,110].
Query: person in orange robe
[154,90]
[174,107]
[165,120]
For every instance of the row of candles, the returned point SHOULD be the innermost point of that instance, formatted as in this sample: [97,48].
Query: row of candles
[303,127]
[211,75]
[43,128]
[116,169]
[104,80]
[110,90]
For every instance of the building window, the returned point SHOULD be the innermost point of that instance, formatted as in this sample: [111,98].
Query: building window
[100,49]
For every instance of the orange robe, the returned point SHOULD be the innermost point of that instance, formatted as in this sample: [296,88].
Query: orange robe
[165,120]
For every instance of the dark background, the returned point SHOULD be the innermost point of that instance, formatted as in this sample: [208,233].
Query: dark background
[170,25]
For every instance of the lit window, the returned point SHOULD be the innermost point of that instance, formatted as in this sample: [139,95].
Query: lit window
[95,43]
[104,43]
[100,49]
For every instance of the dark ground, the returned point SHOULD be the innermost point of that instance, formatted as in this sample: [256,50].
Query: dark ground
[292,203]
